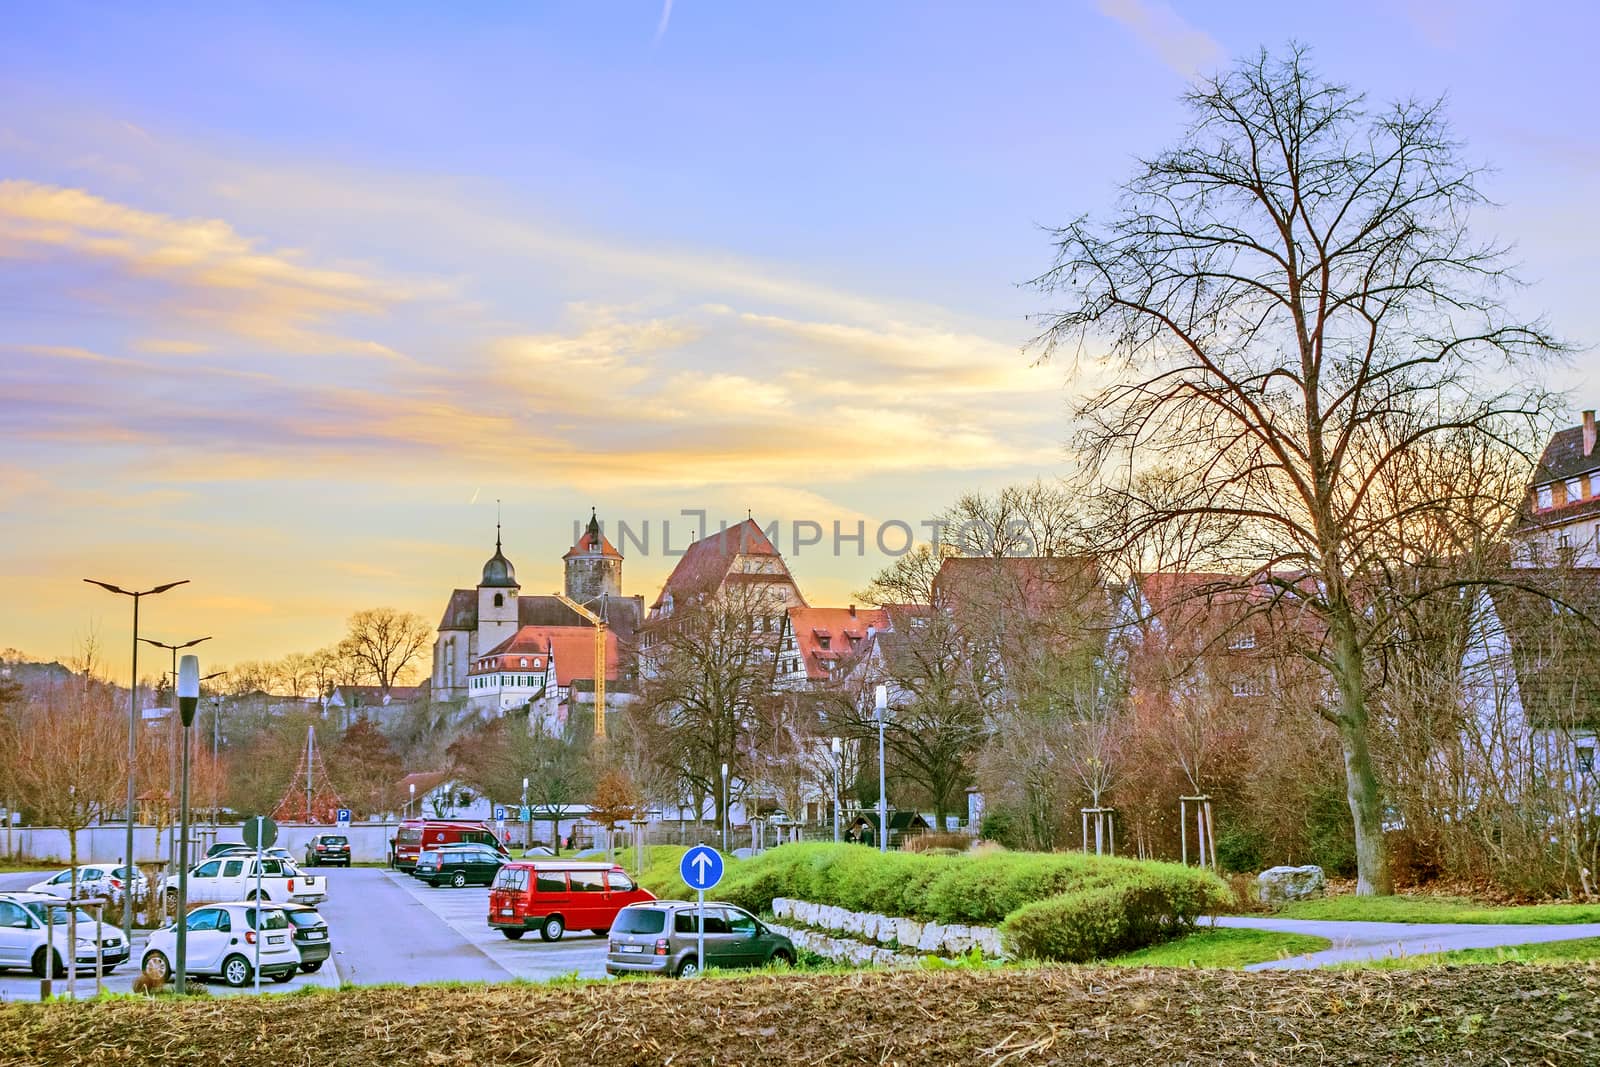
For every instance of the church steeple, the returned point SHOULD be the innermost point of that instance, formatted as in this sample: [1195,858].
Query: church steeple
[593,565]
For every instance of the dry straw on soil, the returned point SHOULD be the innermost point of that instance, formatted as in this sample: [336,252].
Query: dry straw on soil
[1506,1014]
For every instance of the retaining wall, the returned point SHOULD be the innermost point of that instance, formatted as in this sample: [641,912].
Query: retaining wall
[872,934]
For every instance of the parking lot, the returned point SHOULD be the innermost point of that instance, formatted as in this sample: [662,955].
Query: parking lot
[385,927]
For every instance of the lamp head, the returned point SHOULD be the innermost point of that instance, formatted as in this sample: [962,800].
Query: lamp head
[838,746]
[188,688]
[881,697]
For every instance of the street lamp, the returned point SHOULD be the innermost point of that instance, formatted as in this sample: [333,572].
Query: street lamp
[188,693]
[838,757]
[412,803]
[883,794]
[724,807]
[133,724]
[172,751]
[527,819]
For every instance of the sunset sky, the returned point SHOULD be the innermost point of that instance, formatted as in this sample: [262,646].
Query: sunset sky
[292,294]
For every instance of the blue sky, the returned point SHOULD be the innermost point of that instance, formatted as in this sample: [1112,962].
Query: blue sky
[292,293]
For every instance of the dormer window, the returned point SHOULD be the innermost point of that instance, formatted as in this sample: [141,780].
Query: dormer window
[524,661]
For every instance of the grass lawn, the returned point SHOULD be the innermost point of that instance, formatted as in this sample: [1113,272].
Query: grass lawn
[1582,950]
[1425,909]
[1222,947]
[11,866]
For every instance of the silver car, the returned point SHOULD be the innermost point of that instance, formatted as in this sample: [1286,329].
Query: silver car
[661,937]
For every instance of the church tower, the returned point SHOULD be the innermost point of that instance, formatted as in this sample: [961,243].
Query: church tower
[593,566]
[497,600]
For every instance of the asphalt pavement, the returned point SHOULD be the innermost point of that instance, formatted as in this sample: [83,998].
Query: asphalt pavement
[385,927]
[1372,941]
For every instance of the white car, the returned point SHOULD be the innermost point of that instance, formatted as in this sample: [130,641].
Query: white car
[223,941]
[232,876]
[25,939]
[95,880]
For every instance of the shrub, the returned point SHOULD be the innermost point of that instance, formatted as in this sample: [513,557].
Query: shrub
[1104,920]
[1241,849]
[931,841]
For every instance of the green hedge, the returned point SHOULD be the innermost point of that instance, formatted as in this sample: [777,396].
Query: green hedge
[1057,905]
[1103,920]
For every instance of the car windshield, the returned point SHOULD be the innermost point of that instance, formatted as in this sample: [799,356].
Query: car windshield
[409,835]
[304,918]
[58,915]
[640,921]
[271,919]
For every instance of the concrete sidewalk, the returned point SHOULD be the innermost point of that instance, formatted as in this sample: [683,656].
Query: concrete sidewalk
[1370,940]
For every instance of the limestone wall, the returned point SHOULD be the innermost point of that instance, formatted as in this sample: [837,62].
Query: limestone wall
[876,935]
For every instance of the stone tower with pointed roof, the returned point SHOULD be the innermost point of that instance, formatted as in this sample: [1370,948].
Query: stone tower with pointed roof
[593,566]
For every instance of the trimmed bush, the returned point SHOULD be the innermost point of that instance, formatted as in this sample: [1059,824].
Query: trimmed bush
[1095,903]
[1109,919]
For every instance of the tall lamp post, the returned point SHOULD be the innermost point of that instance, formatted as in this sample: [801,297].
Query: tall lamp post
[188,698]
[172,752]
[527,819]
[880,711]
[133,725]
[838,757]
[216,748]
[411,805]
[724,807]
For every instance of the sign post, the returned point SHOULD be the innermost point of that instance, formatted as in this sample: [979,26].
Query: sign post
[259,833]
[701,869]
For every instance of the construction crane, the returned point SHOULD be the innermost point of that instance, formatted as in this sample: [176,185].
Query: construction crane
[599,663]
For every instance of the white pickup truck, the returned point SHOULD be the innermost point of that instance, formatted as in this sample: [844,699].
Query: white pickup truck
[230,878]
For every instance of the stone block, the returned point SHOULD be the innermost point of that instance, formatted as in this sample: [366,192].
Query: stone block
[1279,884]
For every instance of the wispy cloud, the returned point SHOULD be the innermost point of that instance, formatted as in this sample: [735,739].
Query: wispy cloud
[202,270]
[1181,46]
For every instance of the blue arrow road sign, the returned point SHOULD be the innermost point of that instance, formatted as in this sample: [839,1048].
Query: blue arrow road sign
[701,867]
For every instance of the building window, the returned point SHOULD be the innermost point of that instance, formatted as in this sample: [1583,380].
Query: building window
[524,661]
[1585,759]
[1574,490]
[1242,639]
[1246,686]
[1544,496]
[499,600]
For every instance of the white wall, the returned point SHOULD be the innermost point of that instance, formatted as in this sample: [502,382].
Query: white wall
[369,842]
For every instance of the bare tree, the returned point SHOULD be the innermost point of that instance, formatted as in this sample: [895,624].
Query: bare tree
[1294,307]
[712,666]
[385,642]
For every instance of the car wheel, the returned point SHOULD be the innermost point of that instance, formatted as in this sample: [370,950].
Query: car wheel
[236,971]
[282,976]
[513,935]
[459,879]
[157,966]
[689,968]
[253,895]
[172,901]
[600,931]
[60,970]
[552,929]
[781,958]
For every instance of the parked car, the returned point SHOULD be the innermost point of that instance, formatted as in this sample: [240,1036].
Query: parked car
[232,876]
[661,937]
[25,937]
[328,850]
[310,935]
[551,895]
[277,852]
[458,865]
[95,880]
[222,942]
[538,852]
[416,834]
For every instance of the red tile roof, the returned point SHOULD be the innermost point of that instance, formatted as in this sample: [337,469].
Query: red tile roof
[585,547]
[812,624]
[573,647]
[705,563]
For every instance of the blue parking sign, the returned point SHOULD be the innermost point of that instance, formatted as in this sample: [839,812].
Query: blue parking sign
[344,816]
[499,813]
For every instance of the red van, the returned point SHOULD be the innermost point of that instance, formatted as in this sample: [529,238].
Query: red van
[416,834]
[552,895]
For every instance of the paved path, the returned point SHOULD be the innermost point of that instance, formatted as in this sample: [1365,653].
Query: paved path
[1369,940]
